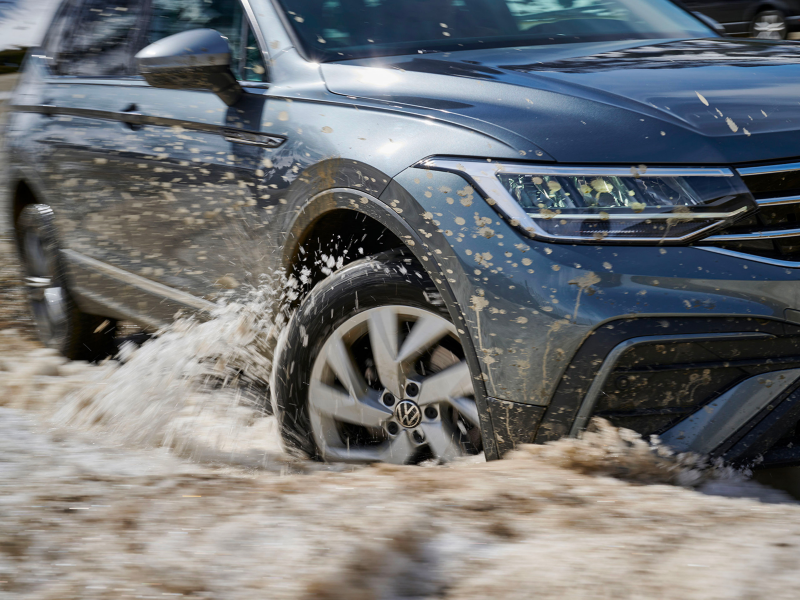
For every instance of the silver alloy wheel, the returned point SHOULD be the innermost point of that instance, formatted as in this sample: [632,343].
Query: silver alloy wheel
[46,296]
[403,411]
[769,26]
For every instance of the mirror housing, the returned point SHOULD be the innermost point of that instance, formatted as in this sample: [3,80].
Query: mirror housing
[199,59]
[712,23]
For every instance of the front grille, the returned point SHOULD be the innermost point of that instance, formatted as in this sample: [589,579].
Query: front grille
[773,231]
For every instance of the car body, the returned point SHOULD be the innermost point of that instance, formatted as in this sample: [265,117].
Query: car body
[163,200]
[770,19]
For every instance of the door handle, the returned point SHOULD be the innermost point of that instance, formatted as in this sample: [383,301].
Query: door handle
[252,138]
[132,117]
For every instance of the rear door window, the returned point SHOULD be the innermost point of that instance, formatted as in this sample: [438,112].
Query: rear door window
[169,17]
[101,38]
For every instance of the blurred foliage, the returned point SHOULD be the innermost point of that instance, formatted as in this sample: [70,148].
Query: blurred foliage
[11,60]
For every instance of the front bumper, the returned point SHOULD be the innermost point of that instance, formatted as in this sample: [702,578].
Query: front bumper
[545,318]
[721,387]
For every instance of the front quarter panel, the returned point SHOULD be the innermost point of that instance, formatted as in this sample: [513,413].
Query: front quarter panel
[529,305]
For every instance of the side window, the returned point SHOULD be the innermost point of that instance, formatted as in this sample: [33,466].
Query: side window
[169,17]
[100,39]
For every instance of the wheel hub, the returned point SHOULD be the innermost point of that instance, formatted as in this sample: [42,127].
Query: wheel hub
[408,414]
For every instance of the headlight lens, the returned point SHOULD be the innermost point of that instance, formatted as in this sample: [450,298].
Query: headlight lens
[580,204]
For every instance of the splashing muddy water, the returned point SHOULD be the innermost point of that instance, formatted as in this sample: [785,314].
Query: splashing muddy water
[198,387]
[88,509]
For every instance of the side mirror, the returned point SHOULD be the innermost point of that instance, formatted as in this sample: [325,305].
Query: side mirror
[712,23]
[199,59]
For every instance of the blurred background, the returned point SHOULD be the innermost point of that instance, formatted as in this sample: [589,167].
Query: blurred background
[22,25]
[23,22]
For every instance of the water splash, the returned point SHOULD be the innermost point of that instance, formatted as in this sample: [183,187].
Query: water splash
[605,450]
[198,387]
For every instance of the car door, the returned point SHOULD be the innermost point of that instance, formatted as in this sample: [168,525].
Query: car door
[84,103]
[154,184]
[187,173]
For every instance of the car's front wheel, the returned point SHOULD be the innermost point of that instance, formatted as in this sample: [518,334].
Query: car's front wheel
[769,25]
[371,369]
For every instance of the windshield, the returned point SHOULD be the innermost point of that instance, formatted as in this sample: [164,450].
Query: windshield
[333,30]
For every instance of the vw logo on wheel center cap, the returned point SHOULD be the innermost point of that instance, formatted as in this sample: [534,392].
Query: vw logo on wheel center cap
[408,414]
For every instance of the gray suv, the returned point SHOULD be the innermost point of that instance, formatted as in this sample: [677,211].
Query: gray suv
[497,218]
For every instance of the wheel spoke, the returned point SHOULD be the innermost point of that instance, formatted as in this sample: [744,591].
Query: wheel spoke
[443,440]
[341,361]
[399,450]
[428,330]
[467,409]
[343,407]
[383,337]
[339,393]
[453,382]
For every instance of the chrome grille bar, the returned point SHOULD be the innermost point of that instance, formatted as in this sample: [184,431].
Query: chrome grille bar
[778,201]
[767,234]
[756,235]
[744,172]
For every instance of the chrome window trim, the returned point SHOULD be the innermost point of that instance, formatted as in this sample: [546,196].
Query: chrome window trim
[484,175]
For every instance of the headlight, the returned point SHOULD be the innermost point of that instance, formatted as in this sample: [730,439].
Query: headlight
[592,205]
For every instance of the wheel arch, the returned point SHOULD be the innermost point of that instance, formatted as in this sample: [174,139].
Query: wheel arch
[319,215]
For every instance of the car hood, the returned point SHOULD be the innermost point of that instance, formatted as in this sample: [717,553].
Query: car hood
[707,101]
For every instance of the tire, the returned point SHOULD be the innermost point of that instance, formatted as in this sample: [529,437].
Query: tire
[59,322]
[395,405]
[769,25]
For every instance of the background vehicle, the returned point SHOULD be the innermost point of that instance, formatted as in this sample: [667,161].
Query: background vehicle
[499,219]
[770,20]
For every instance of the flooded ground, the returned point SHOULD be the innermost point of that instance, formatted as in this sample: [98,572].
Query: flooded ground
[142,480]
[91,507]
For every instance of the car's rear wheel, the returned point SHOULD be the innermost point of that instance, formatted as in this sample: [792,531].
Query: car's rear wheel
[769,25]
[59,322]
[371,369]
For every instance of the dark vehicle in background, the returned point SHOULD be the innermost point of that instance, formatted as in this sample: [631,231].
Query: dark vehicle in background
[769,20]
[497,218]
